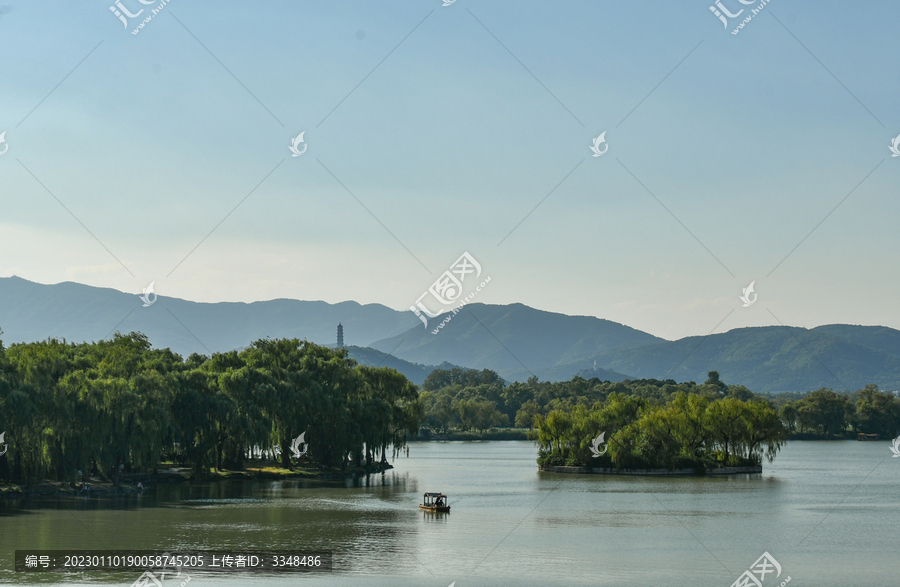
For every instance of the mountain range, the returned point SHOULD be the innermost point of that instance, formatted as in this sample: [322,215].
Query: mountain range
[32,311]
[514,340]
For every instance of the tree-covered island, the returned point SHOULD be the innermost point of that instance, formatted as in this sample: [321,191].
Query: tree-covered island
[72,411]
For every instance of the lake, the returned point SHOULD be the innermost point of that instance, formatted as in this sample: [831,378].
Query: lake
[828,512]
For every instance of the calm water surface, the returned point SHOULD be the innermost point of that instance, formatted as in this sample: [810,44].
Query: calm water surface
[829,512]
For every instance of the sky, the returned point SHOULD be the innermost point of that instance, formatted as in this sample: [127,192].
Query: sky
[432,130]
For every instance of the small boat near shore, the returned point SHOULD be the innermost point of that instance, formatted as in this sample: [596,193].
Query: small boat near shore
[435,502]
[863,436]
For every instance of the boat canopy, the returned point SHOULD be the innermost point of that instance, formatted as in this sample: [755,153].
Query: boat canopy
[435,502]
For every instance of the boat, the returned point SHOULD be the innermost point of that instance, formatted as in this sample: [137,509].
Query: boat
[863,436]
[434,502]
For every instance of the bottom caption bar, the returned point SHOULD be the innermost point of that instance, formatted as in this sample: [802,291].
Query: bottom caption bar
[157,562]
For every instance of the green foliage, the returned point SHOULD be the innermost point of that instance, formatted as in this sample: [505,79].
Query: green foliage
[714,382]
[120,406]
[877,412]
[823,413]
[691,431]
[440,378]
[658,424]
[827,414]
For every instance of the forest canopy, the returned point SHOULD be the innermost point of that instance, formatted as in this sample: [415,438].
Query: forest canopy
[120,406]
[651,423]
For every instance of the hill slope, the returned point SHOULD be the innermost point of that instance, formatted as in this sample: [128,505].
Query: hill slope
[415,372]
[32,311]
[880,338]
[514,340]
[770,358]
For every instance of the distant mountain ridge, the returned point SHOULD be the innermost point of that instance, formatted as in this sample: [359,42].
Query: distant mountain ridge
[773,358]
[518,341]
[31,311]
[880,338]
[514,340]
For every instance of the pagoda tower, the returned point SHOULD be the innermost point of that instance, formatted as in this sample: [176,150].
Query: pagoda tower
[340,341]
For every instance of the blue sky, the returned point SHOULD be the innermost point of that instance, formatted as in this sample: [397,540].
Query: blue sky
[448,141]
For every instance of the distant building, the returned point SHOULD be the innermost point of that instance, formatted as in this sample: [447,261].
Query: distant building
[340,336]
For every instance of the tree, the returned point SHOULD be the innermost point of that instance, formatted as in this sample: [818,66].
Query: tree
[553,429]
[765,430]
[437,409]
[877,412]
[441,378]
[654,437]
[514,397]
[824,411]
[526,414]
[789,415]
[713,382]
[727,421]
[196,407]
[689,427]
[739,392]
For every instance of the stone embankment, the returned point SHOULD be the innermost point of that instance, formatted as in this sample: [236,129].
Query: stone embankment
[651,472]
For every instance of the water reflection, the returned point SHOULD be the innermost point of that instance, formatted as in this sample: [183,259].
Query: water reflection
[510,525]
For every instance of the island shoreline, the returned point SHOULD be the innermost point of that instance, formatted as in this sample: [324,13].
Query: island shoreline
[753,469]
[105,488]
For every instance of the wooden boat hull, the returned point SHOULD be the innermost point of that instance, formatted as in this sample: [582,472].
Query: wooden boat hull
[442,509]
